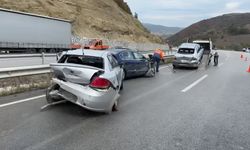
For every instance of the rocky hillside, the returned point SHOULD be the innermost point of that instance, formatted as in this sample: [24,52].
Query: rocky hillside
[230,31]
[111,19]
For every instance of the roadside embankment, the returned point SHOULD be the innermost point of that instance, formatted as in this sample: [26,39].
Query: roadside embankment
[20,84]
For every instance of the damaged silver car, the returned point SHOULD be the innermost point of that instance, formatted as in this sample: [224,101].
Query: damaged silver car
[91,79]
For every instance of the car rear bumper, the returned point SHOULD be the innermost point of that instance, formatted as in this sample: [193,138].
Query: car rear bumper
[186,64]
[86,97]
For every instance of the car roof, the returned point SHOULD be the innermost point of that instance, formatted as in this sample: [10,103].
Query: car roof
[118,50]
[188,45]
[89,52]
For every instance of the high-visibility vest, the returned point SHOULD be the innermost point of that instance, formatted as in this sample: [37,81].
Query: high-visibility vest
[160,52]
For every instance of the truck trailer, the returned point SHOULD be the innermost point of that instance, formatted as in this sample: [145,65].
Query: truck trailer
[31,33]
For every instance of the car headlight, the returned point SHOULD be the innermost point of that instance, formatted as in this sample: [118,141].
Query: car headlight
[194,59]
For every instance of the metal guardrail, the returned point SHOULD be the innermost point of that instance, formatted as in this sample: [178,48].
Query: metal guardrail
[23,71]
[26,55]
[32,70]
[42,56]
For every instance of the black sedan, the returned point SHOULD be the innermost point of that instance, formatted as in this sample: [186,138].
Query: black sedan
[134,63]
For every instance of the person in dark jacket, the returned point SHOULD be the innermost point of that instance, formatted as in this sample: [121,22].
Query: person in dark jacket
[216,59]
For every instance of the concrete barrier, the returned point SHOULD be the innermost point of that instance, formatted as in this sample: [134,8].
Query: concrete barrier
[20,79]
[19,84]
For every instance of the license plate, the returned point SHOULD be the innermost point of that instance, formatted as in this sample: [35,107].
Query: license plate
[184,61]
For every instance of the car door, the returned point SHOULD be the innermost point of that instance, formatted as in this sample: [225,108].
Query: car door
[116,71]
[129,62]
[199,53]
[141,63]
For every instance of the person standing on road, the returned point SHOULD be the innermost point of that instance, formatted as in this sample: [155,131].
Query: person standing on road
[157,57]
[216,59]
[210,55]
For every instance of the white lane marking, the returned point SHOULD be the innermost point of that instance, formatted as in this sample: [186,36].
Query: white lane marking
[194,83]
[221,64]
[154,90]
[21,101]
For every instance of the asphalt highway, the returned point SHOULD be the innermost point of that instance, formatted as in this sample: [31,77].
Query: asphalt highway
[204,109]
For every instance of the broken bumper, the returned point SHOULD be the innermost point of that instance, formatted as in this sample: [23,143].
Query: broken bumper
[86,97]
[185,64]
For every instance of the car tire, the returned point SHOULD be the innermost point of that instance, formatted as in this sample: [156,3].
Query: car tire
[49,98]
[124,74]
[115,106]
[121,88]
[152,72]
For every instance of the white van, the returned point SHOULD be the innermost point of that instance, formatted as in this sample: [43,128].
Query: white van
[188,55]
[247,50]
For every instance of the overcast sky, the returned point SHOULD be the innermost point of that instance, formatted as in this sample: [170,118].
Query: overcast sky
[182,13]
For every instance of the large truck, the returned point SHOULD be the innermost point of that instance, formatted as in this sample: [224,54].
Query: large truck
[31,33]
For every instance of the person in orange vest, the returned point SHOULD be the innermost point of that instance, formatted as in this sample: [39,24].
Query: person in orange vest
[157,57]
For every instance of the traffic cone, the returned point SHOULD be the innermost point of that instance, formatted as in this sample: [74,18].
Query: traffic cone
[248,70]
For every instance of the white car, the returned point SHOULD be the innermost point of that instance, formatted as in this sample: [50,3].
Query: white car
[188,55]
[91,79]
[247,50]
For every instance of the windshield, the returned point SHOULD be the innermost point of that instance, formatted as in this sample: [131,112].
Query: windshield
[186,51]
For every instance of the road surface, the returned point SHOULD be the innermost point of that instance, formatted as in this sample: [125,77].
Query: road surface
[204,109]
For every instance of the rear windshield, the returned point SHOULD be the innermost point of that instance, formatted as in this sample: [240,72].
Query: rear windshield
[83,60]
[185,51]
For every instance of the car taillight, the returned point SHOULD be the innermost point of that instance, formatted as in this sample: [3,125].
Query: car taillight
[100,83]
